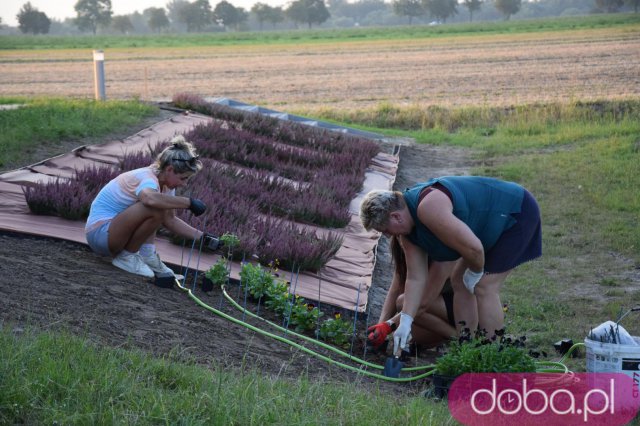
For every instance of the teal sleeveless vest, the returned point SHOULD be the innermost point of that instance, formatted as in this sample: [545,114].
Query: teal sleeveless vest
[484,204]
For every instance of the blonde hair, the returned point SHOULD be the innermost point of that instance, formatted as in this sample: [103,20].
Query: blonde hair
[181,155]
[376,207]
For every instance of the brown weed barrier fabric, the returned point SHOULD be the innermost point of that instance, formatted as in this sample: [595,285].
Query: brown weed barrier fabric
[343,282]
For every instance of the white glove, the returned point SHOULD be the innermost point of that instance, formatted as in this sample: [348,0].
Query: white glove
[402,335]
[470,279]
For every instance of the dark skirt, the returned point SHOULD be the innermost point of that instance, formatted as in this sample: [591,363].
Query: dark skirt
[520,243]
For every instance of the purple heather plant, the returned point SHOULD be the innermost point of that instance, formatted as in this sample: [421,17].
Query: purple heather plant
[258,171]
[65,198]
[137,160]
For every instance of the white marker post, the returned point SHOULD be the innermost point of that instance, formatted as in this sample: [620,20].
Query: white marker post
[98,75]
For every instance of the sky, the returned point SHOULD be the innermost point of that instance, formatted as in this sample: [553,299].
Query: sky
[61,9]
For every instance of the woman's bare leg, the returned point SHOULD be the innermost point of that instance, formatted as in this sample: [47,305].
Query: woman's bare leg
[465,306]
[490,313]
[133,227]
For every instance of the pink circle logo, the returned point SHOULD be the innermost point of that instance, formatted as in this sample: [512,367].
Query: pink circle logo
[545,398]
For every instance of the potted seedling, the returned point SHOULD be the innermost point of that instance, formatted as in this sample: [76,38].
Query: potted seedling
[218,274]
[478,354]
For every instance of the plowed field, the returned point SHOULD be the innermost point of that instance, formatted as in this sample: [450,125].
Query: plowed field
[453,71]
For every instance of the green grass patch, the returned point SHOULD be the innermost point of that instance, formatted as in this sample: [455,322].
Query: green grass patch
[60,379]
[622,21]
[496,130]
[12,100]
[587,191]
[46,122]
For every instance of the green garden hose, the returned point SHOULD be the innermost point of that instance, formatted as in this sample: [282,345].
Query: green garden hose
[300,347]
[317,342]
[541,366]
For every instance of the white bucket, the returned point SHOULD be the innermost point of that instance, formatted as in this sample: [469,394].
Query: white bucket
[613,358]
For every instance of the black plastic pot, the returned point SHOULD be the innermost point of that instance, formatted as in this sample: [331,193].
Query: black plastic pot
[441,385]
[207,284]
[165,281]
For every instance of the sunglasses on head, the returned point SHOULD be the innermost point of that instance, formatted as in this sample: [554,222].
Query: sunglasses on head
[190,161]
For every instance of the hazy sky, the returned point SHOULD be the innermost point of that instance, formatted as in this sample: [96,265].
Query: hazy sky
[60,9]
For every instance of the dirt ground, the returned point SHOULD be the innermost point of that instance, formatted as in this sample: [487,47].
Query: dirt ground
[58,285]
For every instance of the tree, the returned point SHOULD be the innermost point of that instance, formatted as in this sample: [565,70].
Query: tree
[357,10]
[410,8]
[609,6]
[441,9]
[174,13]
[228,15]
[196,15]
[156,19]
[308,11]
[91,13]
[508,7]
[122,23]
[265,13]
[31,20]
[635,4]
[472,6]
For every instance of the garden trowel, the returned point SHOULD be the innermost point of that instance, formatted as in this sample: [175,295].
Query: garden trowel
[393,365]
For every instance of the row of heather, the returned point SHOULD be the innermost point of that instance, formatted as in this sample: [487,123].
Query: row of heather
[288,132]
[256,186]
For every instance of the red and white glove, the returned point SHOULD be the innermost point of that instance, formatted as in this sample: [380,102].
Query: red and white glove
[378,333]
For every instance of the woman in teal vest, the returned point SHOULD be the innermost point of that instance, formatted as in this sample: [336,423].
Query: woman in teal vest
[485,226]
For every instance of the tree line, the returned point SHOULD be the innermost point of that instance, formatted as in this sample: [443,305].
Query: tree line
[93,16]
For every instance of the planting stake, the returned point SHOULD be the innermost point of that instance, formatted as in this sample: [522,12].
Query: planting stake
[246,290]
[295,285]
[318,320]
[195,277]
[240,281]
[258,309]
[366,327]
[637,308]
[355,318]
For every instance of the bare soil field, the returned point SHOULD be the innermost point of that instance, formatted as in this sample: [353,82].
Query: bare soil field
[480,70]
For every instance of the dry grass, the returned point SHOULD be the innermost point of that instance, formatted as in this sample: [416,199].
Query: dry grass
[456,71]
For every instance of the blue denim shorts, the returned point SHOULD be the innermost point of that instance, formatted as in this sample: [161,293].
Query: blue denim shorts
[98,239]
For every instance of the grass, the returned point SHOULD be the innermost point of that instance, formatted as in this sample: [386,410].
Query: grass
[579,160]
[62,379]
[623,21]
[44,123]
